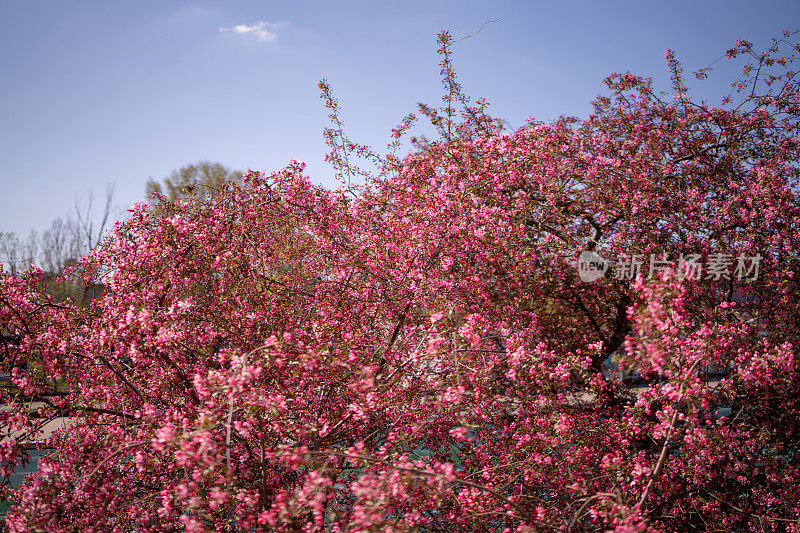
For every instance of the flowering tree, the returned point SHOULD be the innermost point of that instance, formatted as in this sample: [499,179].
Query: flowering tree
[415,352]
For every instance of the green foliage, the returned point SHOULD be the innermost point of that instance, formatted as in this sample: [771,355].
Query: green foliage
[199,179]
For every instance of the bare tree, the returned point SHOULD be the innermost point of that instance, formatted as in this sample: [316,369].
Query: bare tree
[10,251]
[18,255]
[87,225]
[65,241]
[30,249]
[57,246]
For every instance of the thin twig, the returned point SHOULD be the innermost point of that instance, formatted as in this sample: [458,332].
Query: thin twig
[477,32]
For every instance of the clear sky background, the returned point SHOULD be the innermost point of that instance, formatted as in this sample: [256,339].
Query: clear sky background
[98,92]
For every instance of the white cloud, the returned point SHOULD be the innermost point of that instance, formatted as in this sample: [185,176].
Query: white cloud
[261,30]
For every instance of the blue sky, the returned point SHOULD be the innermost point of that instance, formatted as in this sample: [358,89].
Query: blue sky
[97,92]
